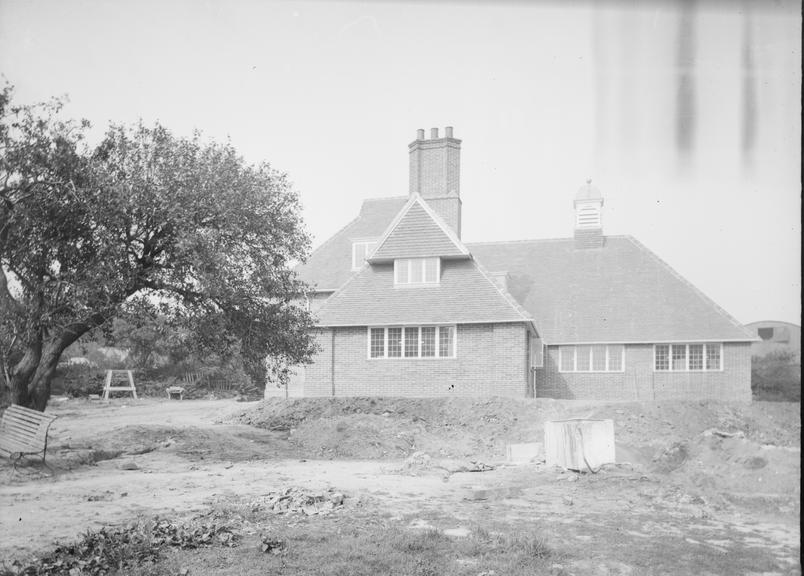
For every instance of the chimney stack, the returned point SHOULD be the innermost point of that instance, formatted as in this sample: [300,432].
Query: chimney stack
[588,222]
[435,166]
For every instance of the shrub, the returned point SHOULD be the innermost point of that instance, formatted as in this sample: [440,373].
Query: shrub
[776,376]
[137,546]
[78,381]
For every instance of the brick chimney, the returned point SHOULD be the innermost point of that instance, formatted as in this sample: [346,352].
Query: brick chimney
[435,170]
[588,221]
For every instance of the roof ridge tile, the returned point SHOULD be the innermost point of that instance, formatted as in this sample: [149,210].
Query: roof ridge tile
[536,240]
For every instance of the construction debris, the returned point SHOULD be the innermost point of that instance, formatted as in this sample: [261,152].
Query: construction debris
[298,501]
[722,434]
[272,545]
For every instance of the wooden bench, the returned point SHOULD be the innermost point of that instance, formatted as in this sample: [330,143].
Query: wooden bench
[23,432]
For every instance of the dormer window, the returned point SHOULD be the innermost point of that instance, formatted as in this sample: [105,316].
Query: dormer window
[416,271]
[360,251]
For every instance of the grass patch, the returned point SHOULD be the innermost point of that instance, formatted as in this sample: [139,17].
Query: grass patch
[367,546]
[240,539]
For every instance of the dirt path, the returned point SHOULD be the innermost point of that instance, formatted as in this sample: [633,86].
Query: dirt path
[623,519]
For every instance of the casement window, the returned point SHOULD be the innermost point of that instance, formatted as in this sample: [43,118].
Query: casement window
[688,357]
[536,352]
[412,342]
[360,251]
[591,358]
[417,271]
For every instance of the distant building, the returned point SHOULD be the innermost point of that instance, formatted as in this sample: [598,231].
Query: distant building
[406,308]
[774,336]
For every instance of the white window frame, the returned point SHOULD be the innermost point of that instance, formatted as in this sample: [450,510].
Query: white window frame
[369,246]
[575,370]
[410,263]
[535,344]
[706,346]
[418,356]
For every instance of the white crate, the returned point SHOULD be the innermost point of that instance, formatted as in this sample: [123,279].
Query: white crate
[579,444]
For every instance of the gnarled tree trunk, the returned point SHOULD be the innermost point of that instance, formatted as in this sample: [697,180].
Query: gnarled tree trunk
[23,371]
[32,375]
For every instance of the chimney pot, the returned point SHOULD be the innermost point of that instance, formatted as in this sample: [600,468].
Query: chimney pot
[420,134]
[434,169]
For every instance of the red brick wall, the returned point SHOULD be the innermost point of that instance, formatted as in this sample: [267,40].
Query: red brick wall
[491,360]
[640,382]
[450,211]
[435,167]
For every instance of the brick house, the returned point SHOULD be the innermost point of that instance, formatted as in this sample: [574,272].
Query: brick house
[405,308]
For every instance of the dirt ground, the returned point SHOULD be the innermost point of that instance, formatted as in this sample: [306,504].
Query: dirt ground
[698,488]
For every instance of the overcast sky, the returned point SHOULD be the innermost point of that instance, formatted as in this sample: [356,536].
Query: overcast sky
[686,115]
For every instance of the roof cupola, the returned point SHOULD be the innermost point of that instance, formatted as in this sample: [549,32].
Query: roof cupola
[588,222]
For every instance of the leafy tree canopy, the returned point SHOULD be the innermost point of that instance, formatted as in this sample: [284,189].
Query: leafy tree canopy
[185,224]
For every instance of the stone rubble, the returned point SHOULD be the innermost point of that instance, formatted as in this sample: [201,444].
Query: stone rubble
[295,500]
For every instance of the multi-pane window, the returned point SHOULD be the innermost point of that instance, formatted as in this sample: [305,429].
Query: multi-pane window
[395,342]
[428,341]
[662,354]
[582,358]
[687,357]
[417,271]
[412,342]
[679,352]
[446,336]
[596,358]
[536,353]
[616,356]
[566,360]
[713,357]
[360,251]
[377,342]
[696,357]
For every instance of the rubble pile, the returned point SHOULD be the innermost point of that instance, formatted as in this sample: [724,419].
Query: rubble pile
[298,501]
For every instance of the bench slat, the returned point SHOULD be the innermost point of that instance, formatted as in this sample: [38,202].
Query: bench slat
[29,416]
[27,448]
[26,419]
[24,431]
[26,423]
[14,433]
[21,429]
[38,439]
[24,410]
[21,447]
[27,412]
[25,428]
[23,439]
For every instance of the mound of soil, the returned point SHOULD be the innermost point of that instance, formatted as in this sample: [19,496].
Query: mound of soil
[714,450]
[397,427]
[482,427]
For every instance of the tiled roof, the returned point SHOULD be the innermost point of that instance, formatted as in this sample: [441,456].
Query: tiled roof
[330,265]
[621,292]
[465,294]
[418,232]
